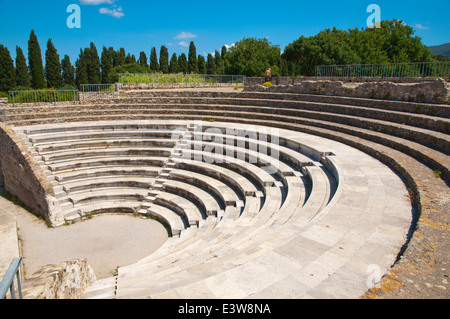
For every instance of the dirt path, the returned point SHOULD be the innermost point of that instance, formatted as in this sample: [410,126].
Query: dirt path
[107,241]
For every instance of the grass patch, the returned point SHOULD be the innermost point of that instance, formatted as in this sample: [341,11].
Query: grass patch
[437,173]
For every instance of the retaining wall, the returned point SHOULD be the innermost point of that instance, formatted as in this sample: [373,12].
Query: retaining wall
[66,280]
[430,90]
[147,86]
[22,178]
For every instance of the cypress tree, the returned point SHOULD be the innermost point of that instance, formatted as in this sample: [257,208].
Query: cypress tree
[210,65]
[130,59]
[154,66]
[22,76]
[173,67]
[106,63]
[220,65]
[7,71]
[81,70]
[183,66]
[93,64]
[164,60]
[35,63]
[68,71]
[119,57]
[201,64]
[224,52]
[143,59]
[192,62]
[52,67]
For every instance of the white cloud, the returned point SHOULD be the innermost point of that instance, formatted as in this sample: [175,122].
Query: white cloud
[183,44]
[421,27]
[96,2]
[185,35]
[229,46]
[116,13]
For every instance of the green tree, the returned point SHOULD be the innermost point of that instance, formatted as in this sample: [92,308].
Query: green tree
[106,63]
[173,67]
[393,42]
[164,59]
[22,76]
[7,71]
[35,63]
[326,48]
[192,62]
[68,71]
[130,59]
[183,66]
[119,57]
[154,66]
[81,74]
[52,67]
[143,59]
[93,64]
[223,52]
[220,63]
[401,45]
[252,57]
[210,64]
[201,64]
[284,70]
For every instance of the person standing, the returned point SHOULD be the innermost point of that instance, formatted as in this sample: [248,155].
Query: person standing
[268,75]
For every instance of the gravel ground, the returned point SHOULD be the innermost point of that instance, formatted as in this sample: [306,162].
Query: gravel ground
[107,241]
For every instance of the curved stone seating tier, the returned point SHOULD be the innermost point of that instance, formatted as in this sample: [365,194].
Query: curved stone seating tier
[102,144]
[309,228]
[107,182]
[61,157]
[105,162]
[93,136]
[93,173]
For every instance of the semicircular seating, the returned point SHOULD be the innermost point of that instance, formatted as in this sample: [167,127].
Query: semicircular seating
[259,196]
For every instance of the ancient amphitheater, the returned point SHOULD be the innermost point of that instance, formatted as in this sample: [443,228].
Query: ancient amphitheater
[264,194]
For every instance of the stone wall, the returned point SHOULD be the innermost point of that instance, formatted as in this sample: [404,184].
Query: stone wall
[66,280]
[148,86]
[429,91]
[23,178]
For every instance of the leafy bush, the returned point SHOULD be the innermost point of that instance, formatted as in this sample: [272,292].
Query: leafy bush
[42,96]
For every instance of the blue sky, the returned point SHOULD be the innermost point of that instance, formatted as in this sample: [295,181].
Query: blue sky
[140,25]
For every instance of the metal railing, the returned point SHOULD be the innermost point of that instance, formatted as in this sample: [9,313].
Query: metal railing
[102,88]
[8,280]
[389,71]
[89,91]
[158,78]
[42,96]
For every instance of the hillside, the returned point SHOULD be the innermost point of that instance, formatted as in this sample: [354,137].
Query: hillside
[441,49]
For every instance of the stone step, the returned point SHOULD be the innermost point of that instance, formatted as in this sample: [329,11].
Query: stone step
[101,289]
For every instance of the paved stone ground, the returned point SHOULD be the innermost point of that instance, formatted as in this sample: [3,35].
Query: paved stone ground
[424,269]
[107,241]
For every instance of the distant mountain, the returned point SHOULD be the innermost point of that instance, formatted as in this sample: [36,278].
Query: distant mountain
[443,49]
